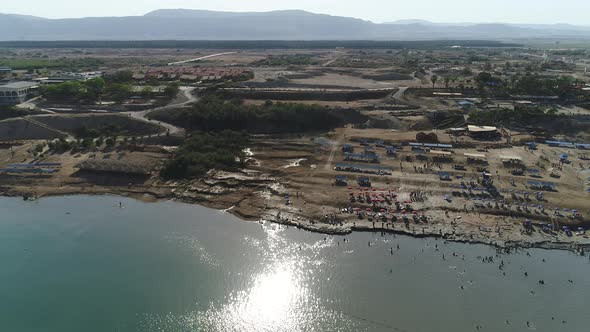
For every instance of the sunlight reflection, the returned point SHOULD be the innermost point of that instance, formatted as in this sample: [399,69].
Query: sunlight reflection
[274,297]
[275,301]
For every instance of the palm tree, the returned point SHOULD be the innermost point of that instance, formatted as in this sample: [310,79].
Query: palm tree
[447,80]
[433,79]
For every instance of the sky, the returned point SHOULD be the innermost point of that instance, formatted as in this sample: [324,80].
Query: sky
[484,11]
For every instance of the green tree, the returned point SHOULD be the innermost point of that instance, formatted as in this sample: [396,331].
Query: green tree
[447,80]
[434,79]
[119,92]
[110,142]
[171,90]
[95,88]
[122,76]
[147,91]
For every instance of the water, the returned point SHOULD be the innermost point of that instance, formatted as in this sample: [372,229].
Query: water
[84,264]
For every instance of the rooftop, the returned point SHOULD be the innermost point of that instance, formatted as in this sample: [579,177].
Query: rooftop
[481,129]
[475,155]
[19,85]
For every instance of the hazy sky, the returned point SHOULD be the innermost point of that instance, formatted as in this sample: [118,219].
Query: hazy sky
[510,11]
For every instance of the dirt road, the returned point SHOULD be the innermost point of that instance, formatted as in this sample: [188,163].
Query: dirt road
[335,145]
[201,58]
[187,97]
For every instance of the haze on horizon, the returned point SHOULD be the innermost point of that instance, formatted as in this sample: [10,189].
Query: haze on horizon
[449,11]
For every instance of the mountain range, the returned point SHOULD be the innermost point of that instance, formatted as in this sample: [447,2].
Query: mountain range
[183,24]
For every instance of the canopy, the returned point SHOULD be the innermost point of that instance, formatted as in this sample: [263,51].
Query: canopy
[481,129]
[475,155]
[442,153]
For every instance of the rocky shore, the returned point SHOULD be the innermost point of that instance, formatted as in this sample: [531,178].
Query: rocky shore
[254,196]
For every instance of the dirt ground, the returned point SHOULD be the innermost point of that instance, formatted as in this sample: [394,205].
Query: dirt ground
[292,181]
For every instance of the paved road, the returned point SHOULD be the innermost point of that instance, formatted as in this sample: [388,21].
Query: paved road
[201,58]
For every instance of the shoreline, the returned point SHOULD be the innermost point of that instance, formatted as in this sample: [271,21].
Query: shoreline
[313,226]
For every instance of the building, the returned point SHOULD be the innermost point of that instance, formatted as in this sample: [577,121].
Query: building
[17,92]
[347,148]
[483,132]
[364,181]
[466,105]
[69,77]
[5,70]
[341,180]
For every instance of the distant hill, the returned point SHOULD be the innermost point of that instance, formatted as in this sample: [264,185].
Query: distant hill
[182,24]
[411,21]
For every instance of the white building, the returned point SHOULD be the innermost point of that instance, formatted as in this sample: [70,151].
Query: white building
[17,92]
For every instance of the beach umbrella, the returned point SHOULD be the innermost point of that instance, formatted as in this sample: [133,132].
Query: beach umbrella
[382,210]
[566,210]
[556,209]
[575,211]
[368,209]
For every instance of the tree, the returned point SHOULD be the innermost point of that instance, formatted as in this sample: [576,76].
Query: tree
[171,90]
[64,91]
[95,88]
[447,80]
[99,142]
[434,79]
[87,143]
[119,92]
[466,72]
[123,76]
[110,142]
[147,91]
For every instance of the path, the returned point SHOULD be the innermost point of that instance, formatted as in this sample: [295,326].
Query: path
[42,125]
[399,95]
[186,93]
[335,145]
[31,104]
[201,58]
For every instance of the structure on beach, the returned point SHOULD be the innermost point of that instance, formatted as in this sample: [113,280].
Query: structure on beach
[364,181]
[483,132]
[341,180]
